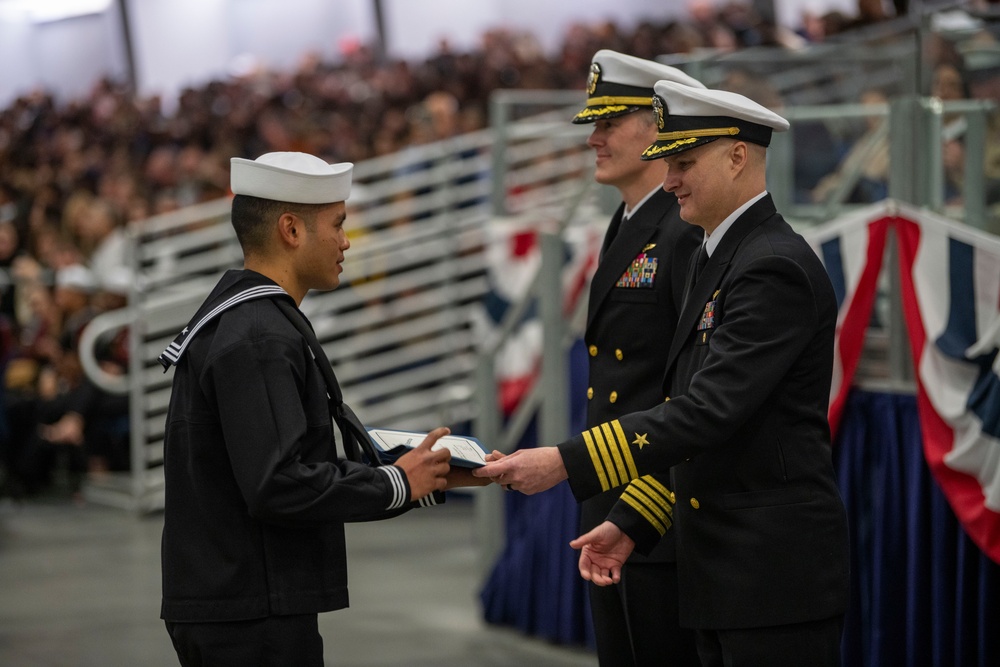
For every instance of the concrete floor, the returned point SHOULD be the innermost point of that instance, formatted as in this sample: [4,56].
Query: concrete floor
[80,587]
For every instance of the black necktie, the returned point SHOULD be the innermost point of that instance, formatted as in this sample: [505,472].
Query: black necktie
[699,264]
[702,261]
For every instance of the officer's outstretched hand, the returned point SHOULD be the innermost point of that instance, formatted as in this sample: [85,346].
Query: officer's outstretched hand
[526,470]
[426,469]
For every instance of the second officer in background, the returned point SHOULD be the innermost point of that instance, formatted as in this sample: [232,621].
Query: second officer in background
[635,296]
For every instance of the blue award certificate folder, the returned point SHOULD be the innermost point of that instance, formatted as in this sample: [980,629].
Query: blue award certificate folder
[466,452]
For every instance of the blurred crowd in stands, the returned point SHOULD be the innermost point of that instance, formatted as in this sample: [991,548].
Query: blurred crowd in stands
[74,173]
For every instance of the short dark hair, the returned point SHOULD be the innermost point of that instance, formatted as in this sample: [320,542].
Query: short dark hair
[648,115]
[252,218]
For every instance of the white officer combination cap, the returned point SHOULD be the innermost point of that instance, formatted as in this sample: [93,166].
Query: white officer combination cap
[688,117]
[619,84]
[297,178]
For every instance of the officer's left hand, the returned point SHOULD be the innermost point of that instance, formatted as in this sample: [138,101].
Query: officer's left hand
[603,552]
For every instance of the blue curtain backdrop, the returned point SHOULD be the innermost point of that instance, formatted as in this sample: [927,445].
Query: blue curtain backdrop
[923,595]
[535,586]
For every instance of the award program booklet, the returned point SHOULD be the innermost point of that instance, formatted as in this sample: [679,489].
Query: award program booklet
[466,451]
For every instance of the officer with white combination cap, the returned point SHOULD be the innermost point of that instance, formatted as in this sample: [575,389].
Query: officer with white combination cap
[634,298]
[762,545]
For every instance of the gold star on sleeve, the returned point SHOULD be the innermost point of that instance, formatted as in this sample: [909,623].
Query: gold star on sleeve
[640,440]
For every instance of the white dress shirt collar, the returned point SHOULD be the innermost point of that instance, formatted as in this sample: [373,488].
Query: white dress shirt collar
[712,242]
[629,212]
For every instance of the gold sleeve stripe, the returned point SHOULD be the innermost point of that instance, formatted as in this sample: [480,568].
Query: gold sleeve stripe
[698,134]
[656,499]
[616,453]
[626,452]
[656,503]
[660,528]
[595,459]
[664,491]
[611,100]
[649,504]
[602,447]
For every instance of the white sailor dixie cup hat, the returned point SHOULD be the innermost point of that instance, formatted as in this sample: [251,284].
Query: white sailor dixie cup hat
[619,84]
[688,117]
[297,178]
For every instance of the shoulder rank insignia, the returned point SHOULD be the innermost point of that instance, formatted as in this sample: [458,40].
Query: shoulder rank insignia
[640,273]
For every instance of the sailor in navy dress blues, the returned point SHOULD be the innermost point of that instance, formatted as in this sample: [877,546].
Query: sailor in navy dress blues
[634,298]
[256,494]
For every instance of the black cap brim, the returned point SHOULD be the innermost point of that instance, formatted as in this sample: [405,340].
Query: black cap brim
[603,112]
[662,149]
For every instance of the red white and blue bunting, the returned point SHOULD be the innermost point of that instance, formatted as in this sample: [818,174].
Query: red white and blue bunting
[950,290]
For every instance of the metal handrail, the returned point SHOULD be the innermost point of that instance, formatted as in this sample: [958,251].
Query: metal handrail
[112,383]
[448,231]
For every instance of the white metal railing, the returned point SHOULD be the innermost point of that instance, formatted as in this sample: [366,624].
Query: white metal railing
[834,72]
[399,330]
[912,130]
